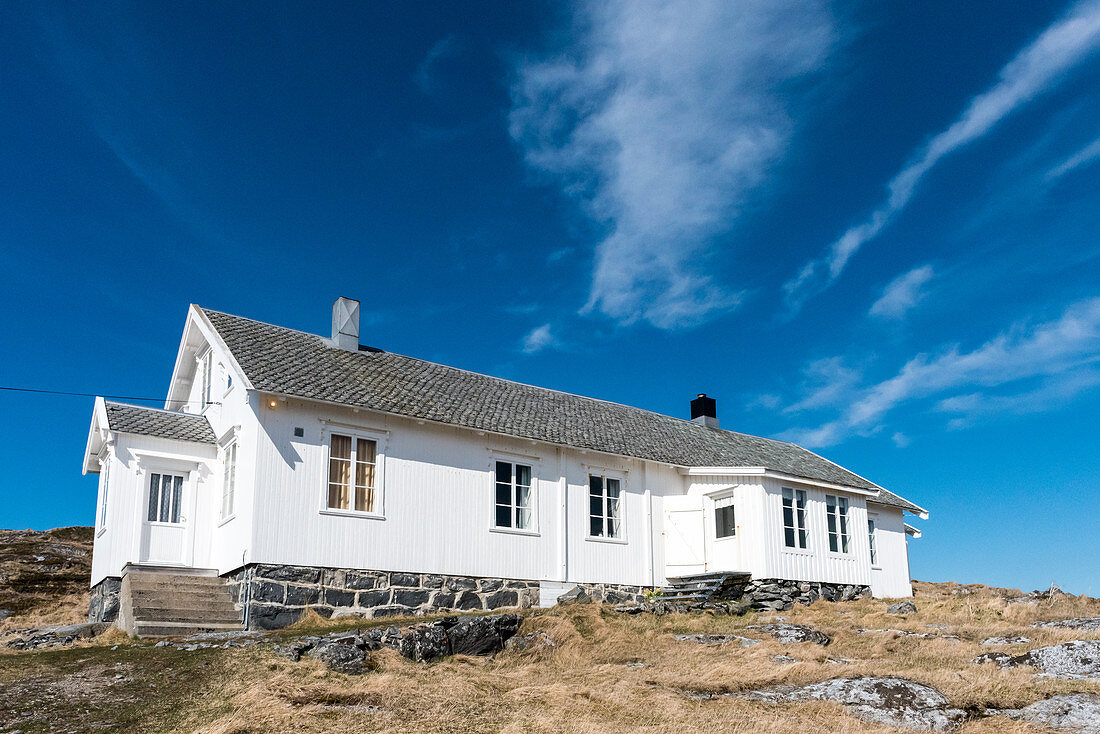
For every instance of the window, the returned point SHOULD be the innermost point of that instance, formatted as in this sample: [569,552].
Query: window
[349,458]
[105,485]
[725,524]
[836,511]
[229,479]
[165,498]
[205,367]
[794,518]
[871,539]
[604,508]
[513,495]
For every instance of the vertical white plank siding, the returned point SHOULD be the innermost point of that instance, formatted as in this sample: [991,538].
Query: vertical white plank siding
[890,576]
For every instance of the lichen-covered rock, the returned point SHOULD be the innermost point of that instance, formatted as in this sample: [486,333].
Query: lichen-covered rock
[1076,659]
[716,639]
[1088,624]
[1077,712]
[576,595]
[341,657]
[790,633]
[533,641]
[1008,640]
[902,607]
[891,701]
[55,635]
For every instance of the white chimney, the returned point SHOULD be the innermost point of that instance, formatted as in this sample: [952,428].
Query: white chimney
[345,324]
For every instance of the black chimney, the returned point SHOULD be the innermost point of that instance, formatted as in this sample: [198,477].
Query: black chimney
[704,410]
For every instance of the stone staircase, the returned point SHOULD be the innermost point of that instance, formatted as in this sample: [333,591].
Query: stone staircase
[170,602]
[700,587]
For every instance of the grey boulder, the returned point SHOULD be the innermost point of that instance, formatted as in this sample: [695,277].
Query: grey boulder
[902,607]
[789,633]
[1076,659]
[576,595]
[890,701]
[1078,712]
[341,657]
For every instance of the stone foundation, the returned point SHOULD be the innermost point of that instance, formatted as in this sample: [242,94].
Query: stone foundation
[613,593]
[103,606]
[781,594]
[274,596]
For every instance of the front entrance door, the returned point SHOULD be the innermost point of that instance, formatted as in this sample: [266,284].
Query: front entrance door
[164,529]
[684,547]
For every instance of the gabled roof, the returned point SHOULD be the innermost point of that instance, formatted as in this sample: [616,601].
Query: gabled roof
[160,423]
[288,362]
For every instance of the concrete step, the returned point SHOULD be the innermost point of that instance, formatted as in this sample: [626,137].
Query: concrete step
[184,595]
[176,602]
[159,616]
[176,582]
[180,629]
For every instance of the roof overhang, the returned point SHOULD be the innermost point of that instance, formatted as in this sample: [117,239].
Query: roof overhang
[912,531]
[763,471]
[99,433]
[197,326]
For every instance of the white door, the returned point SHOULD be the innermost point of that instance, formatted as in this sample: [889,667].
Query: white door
[164,528]
[684,547]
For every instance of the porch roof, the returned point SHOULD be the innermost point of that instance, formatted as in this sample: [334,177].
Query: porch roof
[147,421]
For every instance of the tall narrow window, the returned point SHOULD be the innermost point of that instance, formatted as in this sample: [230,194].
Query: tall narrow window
[725,523]
[229,480]
[165,498]
[205,367]
[105,482]
[604,507]
[871,540]
[350,458]
[513,495]
[794,518]
[836,512]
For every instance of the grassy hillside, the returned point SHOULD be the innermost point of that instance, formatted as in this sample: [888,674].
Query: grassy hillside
[44,575]
[606,672]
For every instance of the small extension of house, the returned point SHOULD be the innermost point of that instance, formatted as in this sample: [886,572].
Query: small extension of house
[290,471]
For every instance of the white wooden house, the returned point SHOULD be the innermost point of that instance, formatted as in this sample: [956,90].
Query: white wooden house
[310,471]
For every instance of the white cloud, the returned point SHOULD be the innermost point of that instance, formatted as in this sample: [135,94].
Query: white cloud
[1035,69]
[901,440]
[902,293]
[538,339]
[1086,155]
[661,119]
[829,381]
[1063,352]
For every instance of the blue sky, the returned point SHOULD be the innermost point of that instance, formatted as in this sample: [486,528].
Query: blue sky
[867,227]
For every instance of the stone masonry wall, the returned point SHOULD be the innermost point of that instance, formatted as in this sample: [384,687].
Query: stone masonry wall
[274,596]
[103,606]
[781,594]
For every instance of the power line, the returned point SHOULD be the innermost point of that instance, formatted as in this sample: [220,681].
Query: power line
[92,395]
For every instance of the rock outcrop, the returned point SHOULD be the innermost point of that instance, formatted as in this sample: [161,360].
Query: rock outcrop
[1076,712]
[902,607]
[1076,659]
[788,633]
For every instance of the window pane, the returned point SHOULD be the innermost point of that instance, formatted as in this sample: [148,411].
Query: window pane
[595,506]
[595,485]
[364,450]
[788,517]
[801,538]
[613,527]
[523,518]
[504,472]
[832,543]
[801,500]
[788,537]
[339,473]
[504,494]
[831,520]
[725,526]
[341,447]
[177,498]
[364,487]
[788,495]
[523,497]
[612,488]
[523,475]
[595,526]
[504,517]
[154,497]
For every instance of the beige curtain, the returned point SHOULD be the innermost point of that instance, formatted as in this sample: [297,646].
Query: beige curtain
[364,475]
[339,473]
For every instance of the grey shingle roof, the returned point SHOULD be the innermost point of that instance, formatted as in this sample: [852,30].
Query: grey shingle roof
[290,362]
[160,423]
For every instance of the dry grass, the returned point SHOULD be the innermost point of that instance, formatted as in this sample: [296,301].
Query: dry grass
[44,576]
[584,684]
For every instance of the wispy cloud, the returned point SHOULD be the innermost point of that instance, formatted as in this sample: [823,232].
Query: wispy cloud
[1034,70]
[1062,353]
[828,382]
[444,48]
[661,118]
[1086,155]
[538,339]
[902,293]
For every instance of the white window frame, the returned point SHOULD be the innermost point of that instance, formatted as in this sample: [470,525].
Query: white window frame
[185,486]
[799,518]
[355,433]
[604,474]
[104,489]
[872,538]
[534,463]
[727,500]
[229,483]
[206,378]
[838,515]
